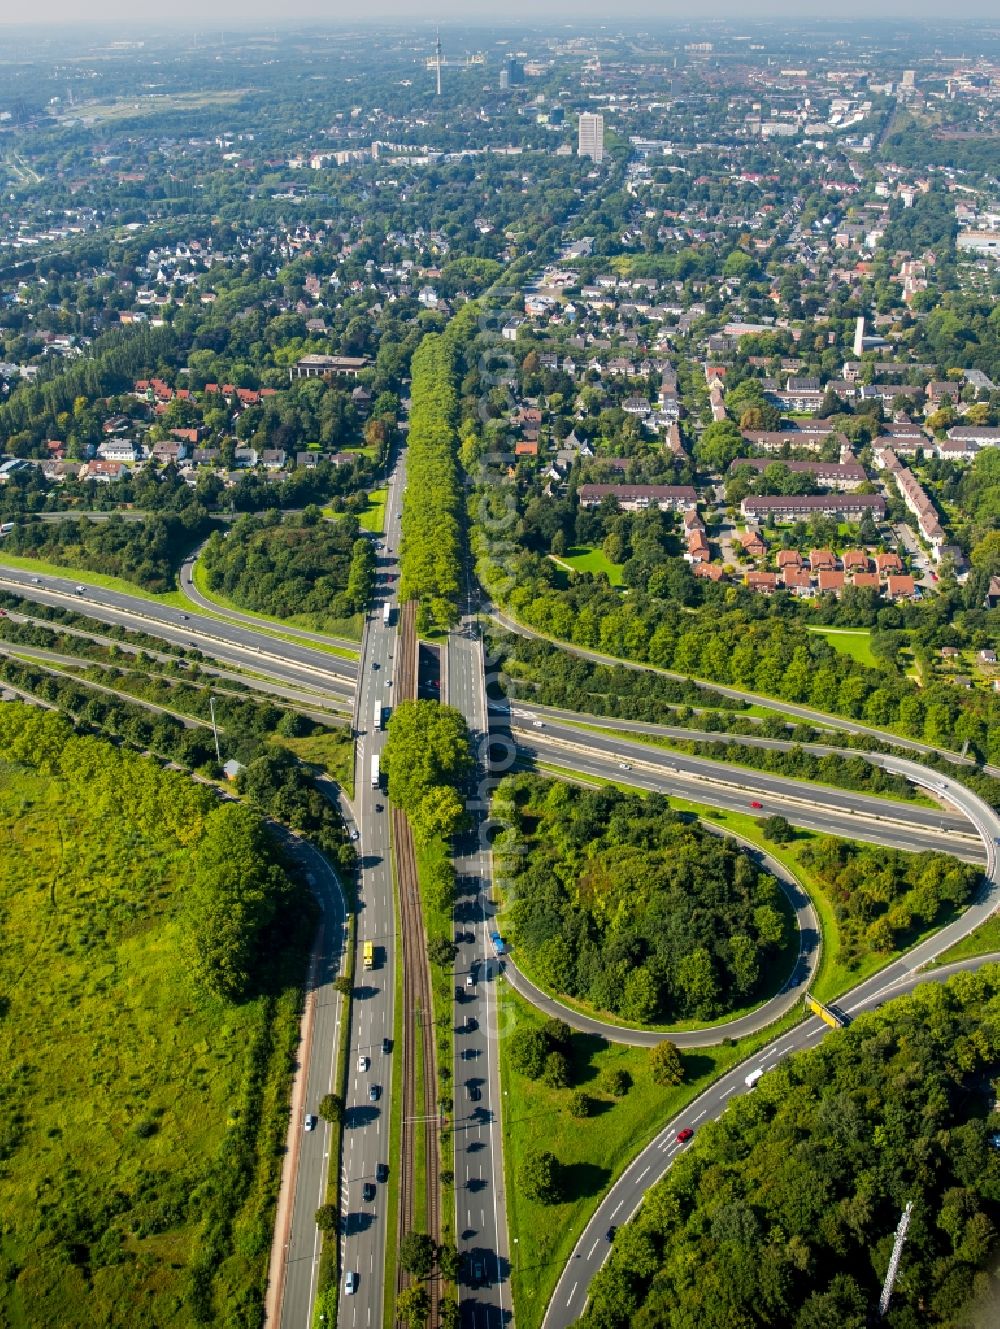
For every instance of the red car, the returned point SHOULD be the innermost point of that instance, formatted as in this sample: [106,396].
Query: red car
[684,1135]
[755,804]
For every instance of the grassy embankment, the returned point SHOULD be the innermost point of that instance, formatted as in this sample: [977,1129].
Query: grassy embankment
[144,1119]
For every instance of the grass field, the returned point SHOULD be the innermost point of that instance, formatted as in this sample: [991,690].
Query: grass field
[985,940]
[142,1120]
[332,751]
[855,642]
[373,517]
[592,1152]
[583,558]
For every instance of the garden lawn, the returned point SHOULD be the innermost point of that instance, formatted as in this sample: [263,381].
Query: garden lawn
[855,642]
[142,1120]
[584,558]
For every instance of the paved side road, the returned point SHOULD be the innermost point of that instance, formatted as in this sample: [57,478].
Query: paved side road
[792,990]
[573,1289]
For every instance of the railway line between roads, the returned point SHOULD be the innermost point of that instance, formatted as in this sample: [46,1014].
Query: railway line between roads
[420,1109]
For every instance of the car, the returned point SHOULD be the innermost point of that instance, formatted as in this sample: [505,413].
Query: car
[474,1092]
[374,665]
[35,580]
[382,1172]
[368,1192]
[611,1232]
[350,1283]
[470,982]
[386,1046]
[684,1135]
[471,1024]
[469,1054]
[378,807]
[362,1064]
[80,590]
[354,834]
[755,804]
[310,1122]
[477,1271]
[537,724]
[624,766]
[374,1093]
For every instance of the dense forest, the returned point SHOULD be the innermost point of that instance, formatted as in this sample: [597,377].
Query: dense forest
[147,552]
[429,561]
[301,564]
[618,901]
[883,897]
[782,1213]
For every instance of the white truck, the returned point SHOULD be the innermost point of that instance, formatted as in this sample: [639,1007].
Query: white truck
[376,773]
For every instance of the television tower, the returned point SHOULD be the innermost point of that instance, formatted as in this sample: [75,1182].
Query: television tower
[437,60]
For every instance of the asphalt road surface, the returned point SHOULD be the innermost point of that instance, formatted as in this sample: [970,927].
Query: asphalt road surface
[819,808]
[366,1122]
[235,644]
[480,1197]
[621,1202]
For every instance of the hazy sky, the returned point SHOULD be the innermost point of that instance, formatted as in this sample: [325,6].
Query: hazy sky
[208,13]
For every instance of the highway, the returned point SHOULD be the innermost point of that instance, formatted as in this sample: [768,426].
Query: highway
[625,1196]
[308,1151]
[366,1133]
[816,807]
[569,1300]
[280,658]
[480,1196]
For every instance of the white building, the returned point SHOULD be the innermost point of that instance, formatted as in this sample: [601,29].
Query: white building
[591,140]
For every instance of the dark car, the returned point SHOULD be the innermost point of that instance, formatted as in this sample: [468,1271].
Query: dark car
[477,1270]
[611,1232]
[684,1135]
[386,1045]
[374,1093]
[368,1192]
[382,1172]
[474,1092]
[471,1024]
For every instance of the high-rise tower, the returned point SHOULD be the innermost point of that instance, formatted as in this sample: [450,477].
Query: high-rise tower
[591,139]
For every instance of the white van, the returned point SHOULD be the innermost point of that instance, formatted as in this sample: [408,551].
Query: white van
[753,1077]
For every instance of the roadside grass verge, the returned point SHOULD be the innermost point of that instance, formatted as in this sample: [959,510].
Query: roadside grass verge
[332,751]
[593,1151]
[43,568]
[373,517]
[985,940]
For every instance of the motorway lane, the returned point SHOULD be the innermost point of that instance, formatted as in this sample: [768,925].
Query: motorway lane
[821,810]
[480,1194]
[282,659]
[314,1145]
[620,1204]
[367,1125]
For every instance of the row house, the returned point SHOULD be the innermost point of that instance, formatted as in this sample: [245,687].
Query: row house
[916,499]
[843,507]
[832,474]
[638,498]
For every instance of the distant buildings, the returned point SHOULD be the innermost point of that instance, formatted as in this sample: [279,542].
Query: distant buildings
[591,140]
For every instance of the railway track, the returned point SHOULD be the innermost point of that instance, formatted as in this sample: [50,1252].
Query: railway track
[420,1117]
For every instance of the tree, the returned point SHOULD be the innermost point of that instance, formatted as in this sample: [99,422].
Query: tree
[331,1107]
[581,1104]
[540,1176]
[617,1082]
[440,812]
[327,1218]
[343,985]
[427,748]
[441,951]
[528,1051]
[556,1070]
[417,1253]
[449,1261]
[413,1305]
[719,446]
[666,1065]
[778,829]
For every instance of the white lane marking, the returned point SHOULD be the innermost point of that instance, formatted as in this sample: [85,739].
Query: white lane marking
[701,1114]
[569,1299]
[590,1253]
[617,1207]
[642,1174]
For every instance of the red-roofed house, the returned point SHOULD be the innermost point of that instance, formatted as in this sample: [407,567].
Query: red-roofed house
[901,588]
[831,580]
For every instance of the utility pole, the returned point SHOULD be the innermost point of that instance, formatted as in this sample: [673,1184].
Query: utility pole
[897,1251]
[215,732]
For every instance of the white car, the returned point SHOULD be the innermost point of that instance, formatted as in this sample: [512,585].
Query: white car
[624,766]
[354,834]
[310,1122]
[362,1064]
[350,1282]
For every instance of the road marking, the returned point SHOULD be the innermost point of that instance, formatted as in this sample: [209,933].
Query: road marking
[590,1253]
[701,1114]
[569,1299]
[617,1207]
[642,1174]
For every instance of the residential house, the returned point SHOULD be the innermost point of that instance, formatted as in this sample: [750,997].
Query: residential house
[844,507]
[636,498]
[901,588]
